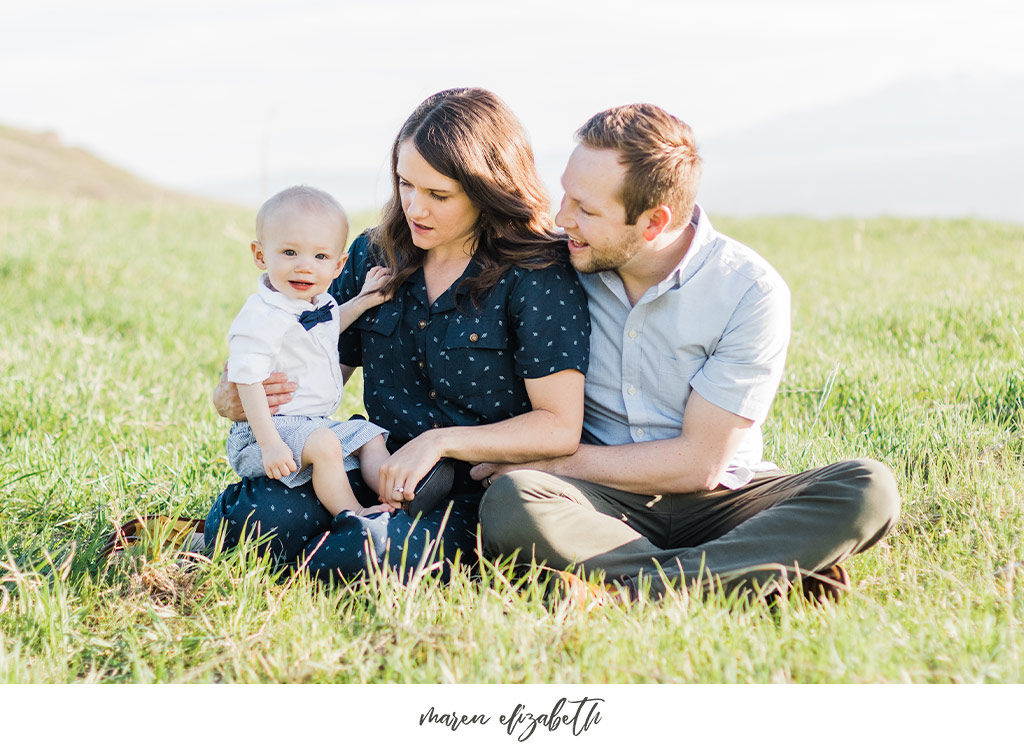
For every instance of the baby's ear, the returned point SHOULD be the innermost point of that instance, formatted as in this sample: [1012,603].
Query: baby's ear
[257,255]
[342,259]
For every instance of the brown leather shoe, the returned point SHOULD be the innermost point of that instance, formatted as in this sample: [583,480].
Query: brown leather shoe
[165,531]
[825,586]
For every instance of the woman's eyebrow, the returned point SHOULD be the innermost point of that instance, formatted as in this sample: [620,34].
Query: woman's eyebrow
[425,188]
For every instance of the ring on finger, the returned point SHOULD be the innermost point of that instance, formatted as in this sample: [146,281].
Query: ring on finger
[399,489]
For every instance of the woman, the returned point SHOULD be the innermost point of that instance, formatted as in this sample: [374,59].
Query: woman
[479,356]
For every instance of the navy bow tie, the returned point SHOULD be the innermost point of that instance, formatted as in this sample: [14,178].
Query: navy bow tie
[314,317]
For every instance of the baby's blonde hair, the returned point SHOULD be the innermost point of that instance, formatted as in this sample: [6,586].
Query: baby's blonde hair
[303,197]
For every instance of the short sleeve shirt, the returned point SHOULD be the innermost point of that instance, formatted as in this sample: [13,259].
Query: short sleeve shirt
[451,364]
[267,336]
[718,325]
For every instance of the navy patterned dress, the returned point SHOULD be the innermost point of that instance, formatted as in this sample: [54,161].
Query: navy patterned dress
[425,366]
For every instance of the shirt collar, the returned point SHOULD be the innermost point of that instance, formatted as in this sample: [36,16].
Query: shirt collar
[700,247]
[287,303]
[417,287]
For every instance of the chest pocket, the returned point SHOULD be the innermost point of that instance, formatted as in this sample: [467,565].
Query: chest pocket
[377,328]
[476,354]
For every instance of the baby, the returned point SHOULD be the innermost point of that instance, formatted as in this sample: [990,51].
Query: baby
[291,325]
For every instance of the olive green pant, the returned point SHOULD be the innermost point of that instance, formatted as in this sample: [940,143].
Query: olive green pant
[773,528]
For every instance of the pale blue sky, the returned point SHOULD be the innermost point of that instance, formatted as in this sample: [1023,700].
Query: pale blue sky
[196,91]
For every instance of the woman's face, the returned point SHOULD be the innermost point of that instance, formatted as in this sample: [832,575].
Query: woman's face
[441,218]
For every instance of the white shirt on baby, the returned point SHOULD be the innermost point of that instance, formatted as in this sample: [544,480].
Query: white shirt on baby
[267,336]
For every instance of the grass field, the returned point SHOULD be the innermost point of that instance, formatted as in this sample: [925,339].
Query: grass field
[907,347]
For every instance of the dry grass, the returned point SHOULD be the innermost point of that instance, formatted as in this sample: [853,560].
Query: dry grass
[38,166]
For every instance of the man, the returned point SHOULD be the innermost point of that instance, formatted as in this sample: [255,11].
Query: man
[689,338]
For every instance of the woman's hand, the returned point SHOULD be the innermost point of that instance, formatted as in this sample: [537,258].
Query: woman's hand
[225,395]
[410,463]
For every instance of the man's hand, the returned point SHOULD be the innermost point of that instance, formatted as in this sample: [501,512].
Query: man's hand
[277,459]
[225,396]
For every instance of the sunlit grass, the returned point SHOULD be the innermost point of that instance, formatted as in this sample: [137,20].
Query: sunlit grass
[907,348]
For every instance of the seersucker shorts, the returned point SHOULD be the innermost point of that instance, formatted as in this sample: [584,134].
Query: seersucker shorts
[246,458]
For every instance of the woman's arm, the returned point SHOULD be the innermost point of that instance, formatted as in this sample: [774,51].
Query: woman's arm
[550,429]
[276,388]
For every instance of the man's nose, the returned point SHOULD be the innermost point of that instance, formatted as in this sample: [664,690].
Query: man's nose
[562,217]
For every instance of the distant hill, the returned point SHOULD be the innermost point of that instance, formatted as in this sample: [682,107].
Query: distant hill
[951,146]
[38,165]
[942,146]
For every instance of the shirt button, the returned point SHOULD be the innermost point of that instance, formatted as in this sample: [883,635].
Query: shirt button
[432,394]
[639,433]
[435,425]
[474,338]
[419,364]
[631,390]
[633,333]
[422,324]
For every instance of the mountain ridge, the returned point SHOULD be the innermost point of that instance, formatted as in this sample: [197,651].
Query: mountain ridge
[39,166]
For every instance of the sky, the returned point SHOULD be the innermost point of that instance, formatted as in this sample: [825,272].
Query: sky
[194,93]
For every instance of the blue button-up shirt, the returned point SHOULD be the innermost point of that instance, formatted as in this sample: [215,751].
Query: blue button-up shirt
[718,324]
[442,364]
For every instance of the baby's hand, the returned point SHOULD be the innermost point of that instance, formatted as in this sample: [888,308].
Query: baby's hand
[278,460]
[382,508]
[376,278]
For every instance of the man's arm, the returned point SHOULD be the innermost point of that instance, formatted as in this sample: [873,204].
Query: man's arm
[692,462]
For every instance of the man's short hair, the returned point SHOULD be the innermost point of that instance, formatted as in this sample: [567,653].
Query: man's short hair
[304,197]
[659,153]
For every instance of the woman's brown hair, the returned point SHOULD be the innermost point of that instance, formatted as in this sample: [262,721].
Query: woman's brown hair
[470,136]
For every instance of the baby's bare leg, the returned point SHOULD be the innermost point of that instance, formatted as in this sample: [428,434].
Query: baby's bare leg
[330,482]
[371,457]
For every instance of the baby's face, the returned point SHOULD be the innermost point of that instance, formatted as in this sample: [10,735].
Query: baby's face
[302,251]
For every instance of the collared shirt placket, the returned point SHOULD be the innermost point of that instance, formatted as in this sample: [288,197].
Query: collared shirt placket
[636,361]
[429,330]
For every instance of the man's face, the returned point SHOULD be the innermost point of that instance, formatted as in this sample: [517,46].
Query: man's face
[592,215]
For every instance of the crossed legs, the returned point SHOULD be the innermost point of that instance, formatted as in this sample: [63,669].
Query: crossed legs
[772,528]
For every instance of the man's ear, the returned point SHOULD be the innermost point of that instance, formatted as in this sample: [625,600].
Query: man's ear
[257,255]
[655,220]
